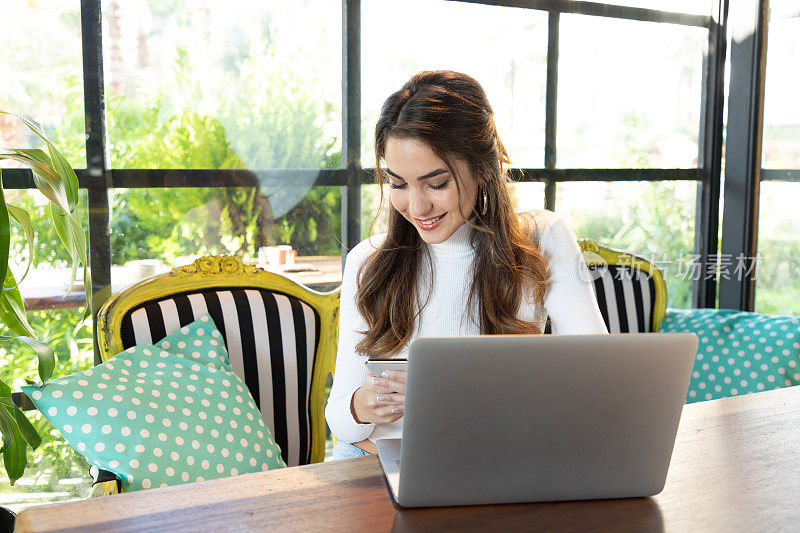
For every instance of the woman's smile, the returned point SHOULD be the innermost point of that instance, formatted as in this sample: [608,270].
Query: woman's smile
[429,223]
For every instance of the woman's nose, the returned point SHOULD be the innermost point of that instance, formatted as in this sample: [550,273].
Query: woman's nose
[418,204]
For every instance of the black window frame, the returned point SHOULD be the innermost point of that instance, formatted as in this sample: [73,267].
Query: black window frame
[745,114]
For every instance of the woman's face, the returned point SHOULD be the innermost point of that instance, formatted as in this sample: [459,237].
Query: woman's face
[424,191]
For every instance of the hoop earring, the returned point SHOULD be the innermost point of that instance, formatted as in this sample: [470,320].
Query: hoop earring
[485,205]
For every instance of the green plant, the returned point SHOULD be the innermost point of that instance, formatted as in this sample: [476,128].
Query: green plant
[56,180]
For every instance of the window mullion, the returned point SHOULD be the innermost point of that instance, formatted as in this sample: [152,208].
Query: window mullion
[96,164]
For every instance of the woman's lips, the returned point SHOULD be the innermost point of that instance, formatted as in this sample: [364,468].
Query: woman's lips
[429,223]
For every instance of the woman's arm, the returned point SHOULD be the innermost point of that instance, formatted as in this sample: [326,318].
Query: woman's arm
[356,402]
[570,301]
[350,371]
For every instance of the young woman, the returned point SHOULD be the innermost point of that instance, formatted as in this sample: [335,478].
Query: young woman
[456,260]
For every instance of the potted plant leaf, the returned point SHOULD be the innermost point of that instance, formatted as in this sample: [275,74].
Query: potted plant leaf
[56,180]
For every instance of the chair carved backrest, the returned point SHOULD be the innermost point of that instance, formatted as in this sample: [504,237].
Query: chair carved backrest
[280,336]
[630,291]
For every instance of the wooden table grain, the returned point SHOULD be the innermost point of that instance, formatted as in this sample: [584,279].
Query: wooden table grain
[736,467]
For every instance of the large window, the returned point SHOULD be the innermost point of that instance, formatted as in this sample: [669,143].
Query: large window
[624,94]
[199,85]
[224,128]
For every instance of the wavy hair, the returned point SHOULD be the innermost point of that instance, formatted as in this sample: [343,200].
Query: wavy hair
[449,112]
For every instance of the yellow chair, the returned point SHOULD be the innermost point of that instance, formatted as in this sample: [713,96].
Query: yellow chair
[630,290]
[268,323]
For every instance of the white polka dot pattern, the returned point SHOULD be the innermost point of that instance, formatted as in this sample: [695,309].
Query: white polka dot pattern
[271,342]
[138,433]
[739,352]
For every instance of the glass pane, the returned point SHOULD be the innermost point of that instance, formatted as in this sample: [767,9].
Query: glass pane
[153,230]
[778,281]
[237,84]
[654,220]
[528,196]
[629,93]
[781,148]
[694,7]
[374,213]
[42,73]
[55,471]
[505,49]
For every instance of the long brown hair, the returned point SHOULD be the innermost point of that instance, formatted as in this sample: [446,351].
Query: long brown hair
[449,112]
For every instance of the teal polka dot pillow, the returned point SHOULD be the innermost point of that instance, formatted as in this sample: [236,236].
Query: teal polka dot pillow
[739,352]
[162,415]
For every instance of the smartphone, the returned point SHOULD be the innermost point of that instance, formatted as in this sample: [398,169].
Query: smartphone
[377,366]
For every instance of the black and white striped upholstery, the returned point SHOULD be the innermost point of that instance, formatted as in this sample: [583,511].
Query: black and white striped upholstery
[271,338]
[626,297]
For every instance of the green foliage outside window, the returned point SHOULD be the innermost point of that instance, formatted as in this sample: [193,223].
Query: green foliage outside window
[273,122]
[54,466]
[657,224]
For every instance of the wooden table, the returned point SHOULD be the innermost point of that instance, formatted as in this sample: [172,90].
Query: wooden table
[736,467]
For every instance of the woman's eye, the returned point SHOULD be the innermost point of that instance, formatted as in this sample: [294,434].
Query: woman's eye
[440,186]
[397,185]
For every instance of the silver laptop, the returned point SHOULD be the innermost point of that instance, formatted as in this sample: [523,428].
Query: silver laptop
[506,419]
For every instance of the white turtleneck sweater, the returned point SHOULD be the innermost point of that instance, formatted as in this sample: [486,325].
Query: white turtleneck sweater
[570,303]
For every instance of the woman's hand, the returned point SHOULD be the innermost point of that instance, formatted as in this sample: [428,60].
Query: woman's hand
[380,400]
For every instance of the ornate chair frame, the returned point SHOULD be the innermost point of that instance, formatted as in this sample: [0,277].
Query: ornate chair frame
[598,255]
[225,271]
